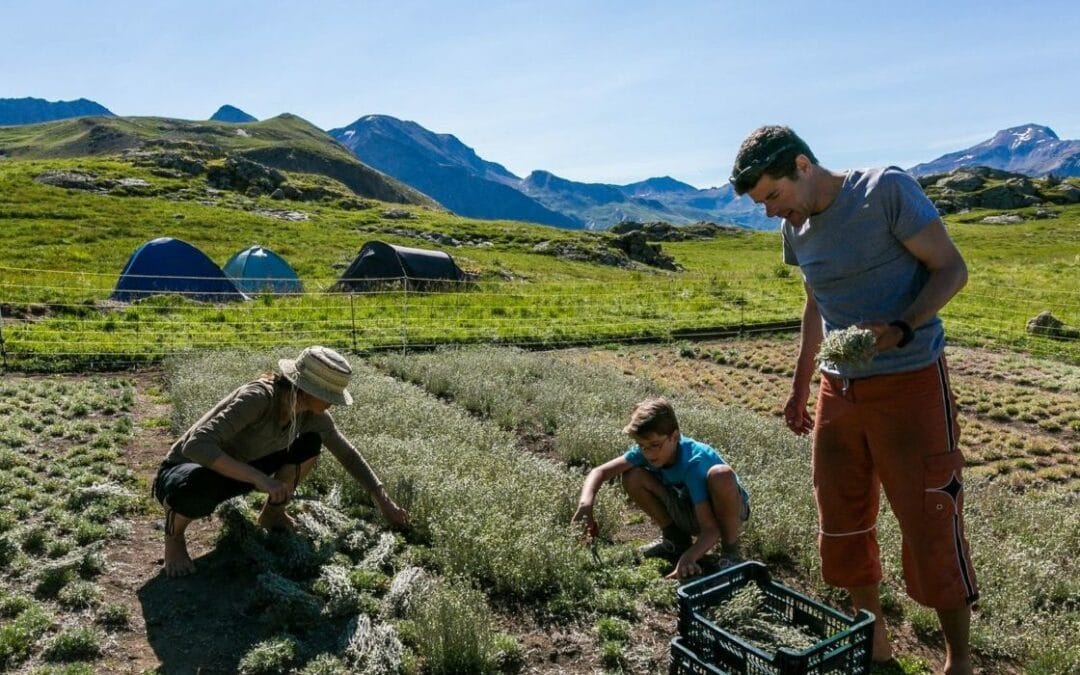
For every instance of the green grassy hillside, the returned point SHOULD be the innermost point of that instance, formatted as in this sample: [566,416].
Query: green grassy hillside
[286,142]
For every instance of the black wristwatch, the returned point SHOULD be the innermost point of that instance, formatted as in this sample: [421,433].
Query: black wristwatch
[908,334]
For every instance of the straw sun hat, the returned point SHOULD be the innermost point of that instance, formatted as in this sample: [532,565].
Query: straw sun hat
[321,372]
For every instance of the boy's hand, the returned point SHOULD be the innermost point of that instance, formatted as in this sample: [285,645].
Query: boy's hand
[584,515]
[685,568]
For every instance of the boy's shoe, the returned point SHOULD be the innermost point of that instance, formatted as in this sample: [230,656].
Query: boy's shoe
[728,560]
[662,548]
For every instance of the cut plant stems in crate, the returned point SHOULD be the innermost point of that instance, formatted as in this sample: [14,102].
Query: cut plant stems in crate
[843,642]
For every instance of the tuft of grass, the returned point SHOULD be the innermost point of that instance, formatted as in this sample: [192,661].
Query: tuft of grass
[51,579]
[325,664]
[455,626]
[113,615]
[269,657]
[79,594]
[611,629]
[74,644]
[17,637]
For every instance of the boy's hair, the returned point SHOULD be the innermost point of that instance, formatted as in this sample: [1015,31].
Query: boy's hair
[652,416]
[771,151]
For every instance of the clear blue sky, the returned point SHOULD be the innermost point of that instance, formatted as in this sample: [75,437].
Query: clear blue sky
[598,91]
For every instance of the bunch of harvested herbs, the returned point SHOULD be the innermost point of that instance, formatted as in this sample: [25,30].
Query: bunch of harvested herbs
[851,346]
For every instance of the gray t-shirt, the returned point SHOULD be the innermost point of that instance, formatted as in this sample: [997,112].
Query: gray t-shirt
[853,258]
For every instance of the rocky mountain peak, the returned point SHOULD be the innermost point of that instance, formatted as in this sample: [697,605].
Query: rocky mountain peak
[1029,149]
[1028,135]
[228,113]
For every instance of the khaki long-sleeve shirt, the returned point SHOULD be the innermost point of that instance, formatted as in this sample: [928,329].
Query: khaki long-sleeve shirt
[246,425]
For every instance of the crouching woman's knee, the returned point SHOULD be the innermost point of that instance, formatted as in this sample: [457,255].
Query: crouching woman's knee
[194,491]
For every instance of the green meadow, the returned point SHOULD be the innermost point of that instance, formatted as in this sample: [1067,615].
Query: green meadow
[64,250]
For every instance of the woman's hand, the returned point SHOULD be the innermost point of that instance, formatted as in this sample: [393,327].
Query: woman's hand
[397,516]
[277,492]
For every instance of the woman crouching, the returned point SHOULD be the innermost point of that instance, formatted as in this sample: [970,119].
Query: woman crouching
[266,436]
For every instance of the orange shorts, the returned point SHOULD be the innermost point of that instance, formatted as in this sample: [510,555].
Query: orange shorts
[896,431]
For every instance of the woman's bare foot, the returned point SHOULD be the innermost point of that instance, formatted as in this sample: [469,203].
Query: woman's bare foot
[275,518]
[177,561]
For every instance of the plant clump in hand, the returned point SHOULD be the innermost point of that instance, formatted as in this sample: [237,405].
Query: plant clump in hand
[850,347]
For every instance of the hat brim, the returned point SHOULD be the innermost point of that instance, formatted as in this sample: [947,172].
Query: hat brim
[288,369]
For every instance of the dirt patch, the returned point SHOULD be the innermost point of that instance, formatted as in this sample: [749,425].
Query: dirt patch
[198,624]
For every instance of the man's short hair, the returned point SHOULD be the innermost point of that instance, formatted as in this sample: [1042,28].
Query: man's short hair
[769,150]
[652,416]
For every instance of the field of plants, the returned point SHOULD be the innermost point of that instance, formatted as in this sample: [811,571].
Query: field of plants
[487,448]
[1020,415]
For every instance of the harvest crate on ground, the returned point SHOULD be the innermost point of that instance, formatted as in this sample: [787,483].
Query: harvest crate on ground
[842,642]
[685,662]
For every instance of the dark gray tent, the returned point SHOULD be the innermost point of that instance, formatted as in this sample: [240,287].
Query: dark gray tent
[379,264]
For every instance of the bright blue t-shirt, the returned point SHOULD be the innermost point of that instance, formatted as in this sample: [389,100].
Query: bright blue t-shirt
[689,471]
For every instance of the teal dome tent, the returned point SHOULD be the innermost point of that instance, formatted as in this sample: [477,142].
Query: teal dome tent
[260,270]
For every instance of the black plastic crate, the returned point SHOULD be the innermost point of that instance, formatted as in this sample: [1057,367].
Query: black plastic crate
[685,662]
[844,642]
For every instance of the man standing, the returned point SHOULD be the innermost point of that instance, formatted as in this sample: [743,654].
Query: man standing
[874,253]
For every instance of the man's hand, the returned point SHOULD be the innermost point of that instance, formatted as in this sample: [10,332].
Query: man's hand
[277,492]
[685,568]
[797,415]
[886,336]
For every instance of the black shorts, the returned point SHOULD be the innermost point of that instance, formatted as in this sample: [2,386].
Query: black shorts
[194,491]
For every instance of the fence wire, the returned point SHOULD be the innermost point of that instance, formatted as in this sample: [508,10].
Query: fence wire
[56,320]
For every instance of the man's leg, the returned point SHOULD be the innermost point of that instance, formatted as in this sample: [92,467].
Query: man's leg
[274,516]
[847,493]
[727,506]
[915,436]
[956,626]
[869,598]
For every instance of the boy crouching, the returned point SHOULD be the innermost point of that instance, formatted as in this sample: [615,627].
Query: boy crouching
[684,486]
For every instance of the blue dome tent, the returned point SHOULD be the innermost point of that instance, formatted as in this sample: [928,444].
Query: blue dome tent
[260,270]
[380,263]
[167,265]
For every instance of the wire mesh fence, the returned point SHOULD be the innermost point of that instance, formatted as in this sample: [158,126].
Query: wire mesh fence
[55,320]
